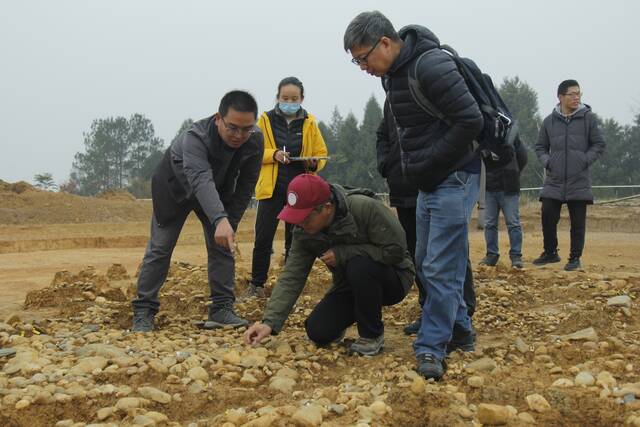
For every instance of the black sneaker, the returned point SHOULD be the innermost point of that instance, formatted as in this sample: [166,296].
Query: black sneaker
[516,262]
[462,340]
[368,346]
[429,366]
[143,321]
[255,291]
[490,260]
[573,264]
[413,327]
[224,317]
[546,258]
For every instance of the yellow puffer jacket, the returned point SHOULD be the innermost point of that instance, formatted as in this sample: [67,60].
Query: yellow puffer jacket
[312,145]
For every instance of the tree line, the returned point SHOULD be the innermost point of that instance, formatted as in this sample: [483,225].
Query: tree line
[121,153]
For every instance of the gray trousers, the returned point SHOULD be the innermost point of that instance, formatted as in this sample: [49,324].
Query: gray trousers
[157,258]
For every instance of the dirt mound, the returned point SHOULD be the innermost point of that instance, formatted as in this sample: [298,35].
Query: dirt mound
[116,195]
[21,203]
[554,349]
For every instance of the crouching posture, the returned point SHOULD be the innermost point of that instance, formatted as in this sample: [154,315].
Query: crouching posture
[362,243]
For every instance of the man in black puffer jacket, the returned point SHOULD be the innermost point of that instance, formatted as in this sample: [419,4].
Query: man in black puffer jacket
[402,196]
[440,160]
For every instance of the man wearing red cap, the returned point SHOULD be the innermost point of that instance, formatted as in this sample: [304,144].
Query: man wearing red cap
[362,243]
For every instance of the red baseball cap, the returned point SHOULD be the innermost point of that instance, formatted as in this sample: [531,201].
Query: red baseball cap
[305,192]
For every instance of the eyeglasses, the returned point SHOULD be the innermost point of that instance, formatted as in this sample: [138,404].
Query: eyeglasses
[363,59]
[235,130]
[573,94]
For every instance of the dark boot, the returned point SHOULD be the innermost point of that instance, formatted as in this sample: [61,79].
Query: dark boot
[546,258]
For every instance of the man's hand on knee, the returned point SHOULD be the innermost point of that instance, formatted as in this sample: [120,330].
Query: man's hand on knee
[224,235]
[256,333]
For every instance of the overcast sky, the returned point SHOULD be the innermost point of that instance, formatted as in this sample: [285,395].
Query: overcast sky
[66,63]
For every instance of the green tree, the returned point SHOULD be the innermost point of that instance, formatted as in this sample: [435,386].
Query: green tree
[333,171]
[44,181]
[117,155]
[365,150]
[522,101]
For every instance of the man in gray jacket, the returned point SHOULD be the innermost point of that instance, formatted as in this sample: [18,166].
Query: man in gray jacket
[211,170]
[568,143]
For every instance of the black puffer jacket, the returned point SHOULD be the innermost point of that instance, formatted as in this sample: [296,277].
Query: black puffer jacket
[402,193]
[507,178]
[431,149]
[566,148]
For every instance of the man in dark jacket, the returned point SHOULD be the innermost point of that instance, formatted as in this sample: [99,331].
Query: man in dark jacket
[569,141]
[503,193]
[211,170]
[437,157]
[361,242]
[402,196]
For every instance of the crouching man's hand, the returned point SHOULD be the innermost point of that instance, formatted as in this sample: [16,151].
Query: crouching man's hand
[256,333]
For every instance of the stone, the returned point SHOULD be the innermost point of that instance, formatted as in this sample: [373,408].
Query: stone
[619,301]
[143,420]
[605,379]
[475,381]
[158,417]
[88,364]
[104,413]
[562,382]
[537,403]
[526,418]
[158,366]
[22,404]
[263,421]
[418,386]
[464,412]
[584,379]
[154,394]
[64,423]
[485,364]
[231,357]
[287,373]
[104,350]
[248,379]
[282,384]
[493,415]
[521,346]
[127,403]
[198,373]
[378,407]
[308,416]
[588,334]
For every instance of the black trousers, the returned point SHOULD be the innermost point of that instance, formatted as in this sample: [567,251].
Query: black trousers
[265,230]
[369,286]
[577,217]
[407,217]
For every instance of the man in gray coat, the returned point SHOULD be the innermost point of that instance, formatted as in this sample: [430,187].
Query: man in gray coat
[211,170]
[568,143]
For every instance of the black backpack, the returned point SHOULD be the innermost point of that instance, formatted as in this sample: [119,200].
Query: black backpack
[495,142]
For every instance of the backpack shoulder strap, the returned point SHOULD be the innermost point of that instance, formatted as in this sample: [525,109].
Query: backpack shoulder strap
[417,93]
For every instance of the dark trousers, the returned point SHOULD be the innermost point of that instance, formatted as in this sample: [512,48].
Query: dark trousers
[407,218]
[157,258]
[369,286]
[577,217]
[265,230]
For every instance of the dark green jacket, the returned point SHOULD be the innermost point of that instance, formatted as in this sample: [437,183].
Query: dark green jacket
[363,225]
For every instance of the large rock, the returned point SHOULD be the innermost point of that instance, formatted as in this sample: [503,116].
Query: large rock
[584,379]
[88,365]
[619,301]
[493,415]
[282,384]
[308,416]
[537,403]
[154,394]
[485,364]
[588,334]
[103,350]
[198,373]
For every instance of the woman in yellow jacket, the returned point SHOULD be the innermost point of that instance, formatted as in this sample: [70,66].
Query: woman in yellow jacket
[289,132]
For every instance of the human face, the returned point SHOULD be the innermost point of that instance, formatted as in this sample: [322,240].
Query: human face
[318,219]
[290,93]
[375,59]
[570,101]
[236,127]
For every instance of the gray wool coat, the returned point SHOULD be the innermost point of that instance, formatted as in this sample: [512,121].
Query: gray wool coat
[566,148]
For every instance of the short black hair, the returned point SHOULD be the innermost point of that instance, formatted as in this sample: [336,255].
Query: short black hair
[367,28]
[240,101]
[291,81]
[565,85]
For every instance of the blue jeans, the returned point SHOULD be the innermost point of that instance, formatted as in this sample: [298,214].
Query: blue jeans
[442,252]
[509,204]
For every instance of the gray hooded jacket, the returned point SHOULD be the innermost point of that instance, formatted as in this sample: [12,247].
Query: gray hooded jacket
[566,148]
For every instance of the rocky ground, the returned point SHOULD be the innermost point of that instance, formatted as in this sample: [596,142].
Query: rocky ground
[554,348]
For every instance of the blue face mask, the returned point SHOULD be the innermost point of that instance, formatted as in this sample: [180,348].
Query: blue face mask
[289,108]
